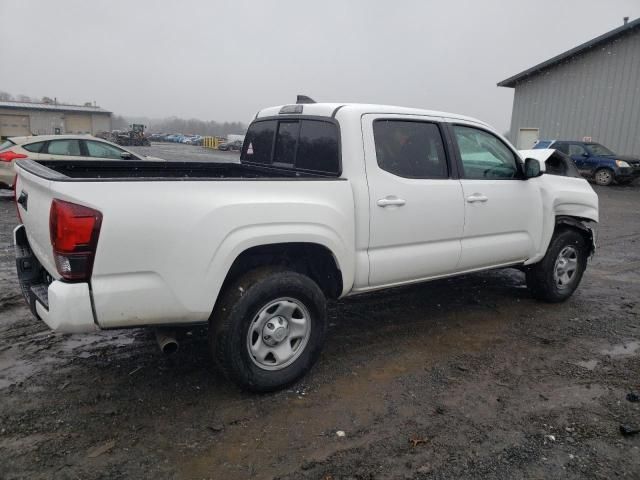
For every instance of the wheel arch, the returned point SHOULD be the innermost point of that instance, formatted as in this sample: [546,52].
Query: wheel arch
[314,260]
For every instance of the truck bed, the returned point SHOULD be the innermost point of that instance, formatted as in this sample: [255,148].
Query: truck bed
[120,170]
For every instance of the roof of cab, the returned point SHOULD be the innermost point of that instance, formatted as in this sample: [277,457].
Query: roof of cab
[333,109]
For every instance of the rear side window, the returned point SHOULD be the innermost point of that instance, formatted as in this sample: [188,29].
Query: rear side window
[69,148]
[5,145]
[302,144]
[258,143]
[33,147]
[410,149]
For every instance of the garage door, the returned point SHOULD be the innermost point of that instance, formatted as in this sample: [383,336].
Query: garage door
[77,123]
[14,125]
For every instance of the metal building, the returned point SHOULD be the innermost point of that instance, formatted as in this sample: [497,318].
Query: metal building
[24,118]
[591,93]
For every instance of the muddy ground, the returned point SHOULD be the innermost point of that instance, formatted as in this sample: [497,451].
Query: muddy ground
[461,378]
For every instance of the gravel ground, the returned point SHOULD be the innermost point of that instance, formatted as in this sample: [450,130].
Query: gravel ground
[186,153]
[460,378]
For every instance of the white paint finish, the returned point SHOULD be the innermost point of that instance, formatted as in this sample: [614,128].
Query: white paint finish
[403,241]
[69,308]
[506,227]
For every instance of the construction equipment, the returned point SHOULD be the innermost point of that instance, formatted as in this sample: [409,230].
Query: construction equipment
[133,137]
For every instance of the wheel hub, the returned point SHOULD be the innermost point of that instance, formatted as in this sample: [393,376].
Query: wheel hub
[275,331]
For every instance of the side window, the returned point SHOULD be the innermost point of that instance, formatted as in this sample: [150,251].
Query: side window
[102,150]
[33,147]
[410,149]
[318,147]
[484,156]
[575,149]
[258,142]
[69,148]
[562,147]
[286,141]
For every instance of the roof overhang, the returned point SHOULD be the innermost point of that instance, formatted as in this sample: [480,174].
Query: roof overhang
[512,81]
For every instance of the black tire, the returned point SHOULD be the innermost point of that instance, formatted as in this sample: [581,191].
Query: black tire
[603,177]
[238,308]
[541,277]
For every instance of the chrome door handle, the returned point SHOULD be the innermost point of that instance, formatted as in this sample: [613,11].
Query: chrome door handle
[391,201]
[477,197]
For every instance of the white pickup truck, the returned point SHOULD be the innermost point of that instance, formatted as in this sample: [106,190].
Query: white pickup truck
[329,200]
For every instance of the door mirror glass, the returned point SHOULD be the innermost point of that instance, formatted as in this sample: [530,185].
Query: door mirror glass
[532,168]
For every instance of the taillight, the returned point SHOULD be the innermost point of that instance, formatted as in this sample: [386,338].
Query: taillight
[74,233]
[10,156]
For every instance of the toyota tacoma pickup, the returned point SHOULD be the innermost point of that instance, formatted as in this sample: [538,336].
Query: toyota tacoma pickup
[328,201]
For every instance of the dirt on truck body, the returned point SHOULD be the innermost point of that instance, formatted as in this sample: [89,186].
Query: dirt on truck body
[460,378]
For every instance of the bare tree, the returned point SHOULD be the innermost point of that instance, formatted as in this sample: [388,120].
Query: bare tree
[5,97]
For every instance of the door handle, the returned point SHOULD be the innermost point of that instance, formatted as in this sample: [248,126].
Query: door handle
[477,197]
[391,201]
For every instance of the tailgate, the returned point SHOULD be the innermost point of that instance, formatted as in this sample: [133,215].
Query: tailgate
[34,196]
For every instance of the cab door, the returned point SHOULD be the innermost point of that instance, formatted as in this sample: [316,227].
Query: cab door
[503,212]
[416,205]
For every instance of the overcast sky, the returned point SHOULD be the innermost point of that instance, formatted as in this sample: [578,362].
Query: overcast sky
[224,60]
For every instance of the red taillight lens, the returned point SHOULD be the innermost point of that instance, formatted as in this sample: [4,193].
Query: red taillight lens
[9,156]
[74,233]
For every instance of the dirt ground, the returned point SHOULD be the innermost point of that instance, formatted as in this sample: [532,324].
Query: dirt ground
[460,378]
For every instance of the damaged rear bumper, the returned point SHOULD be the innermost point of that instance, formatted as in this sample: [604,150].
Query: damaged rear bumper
[64,307]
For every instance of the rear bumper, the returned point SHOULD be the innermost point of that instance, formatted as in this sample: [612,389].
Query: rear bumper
[64,307]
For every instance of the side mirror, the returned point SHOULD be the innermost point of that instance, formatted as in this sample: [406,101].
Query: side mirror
[585,154]
[532,168]
[125,156]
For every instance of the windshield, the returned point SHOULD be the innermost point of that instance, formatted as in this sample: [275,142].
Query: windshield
[597,149]
[6,144]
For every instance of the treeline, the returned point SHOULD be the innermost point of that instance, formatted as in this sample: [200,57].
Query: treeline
[190,126]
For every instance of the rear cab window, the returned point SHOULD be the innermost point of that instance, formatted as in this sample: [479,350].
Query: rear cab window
[304,144]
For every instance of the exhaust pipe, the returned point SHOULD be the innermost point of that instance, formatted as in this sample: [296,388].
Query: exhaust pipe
[166,341]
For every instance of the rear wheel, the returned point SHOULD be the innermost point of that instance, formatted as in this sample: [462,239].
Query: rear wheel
[603,177]
[558,274]
[268,329]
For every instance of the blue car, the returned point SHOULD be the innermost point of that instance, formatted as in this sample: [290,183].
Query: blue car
[596,161]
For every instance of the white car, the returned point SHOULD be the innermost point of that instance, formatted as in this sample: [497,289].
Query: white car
[58,147]
[330,200]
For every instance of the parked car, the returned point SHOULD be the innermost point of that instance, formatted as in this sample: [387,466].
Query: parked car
[58,147]
[596,161]
[236,145]
[329,201]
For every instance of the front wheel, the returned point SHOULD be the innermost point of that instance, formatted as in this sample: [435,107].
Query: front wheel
[558,274]
[268,328]
[603,177]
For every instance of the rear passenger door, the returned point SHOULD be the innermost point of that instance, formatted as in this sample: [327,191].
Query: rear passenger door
[580,157]
[503,212]
[416,207]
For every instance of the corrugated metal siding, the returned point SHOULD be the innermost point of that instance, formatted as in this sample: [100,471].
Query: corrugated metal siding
[596,94]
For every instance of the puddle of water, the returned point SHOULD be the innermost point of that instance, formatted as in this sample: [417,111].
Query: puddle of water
[623,349]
